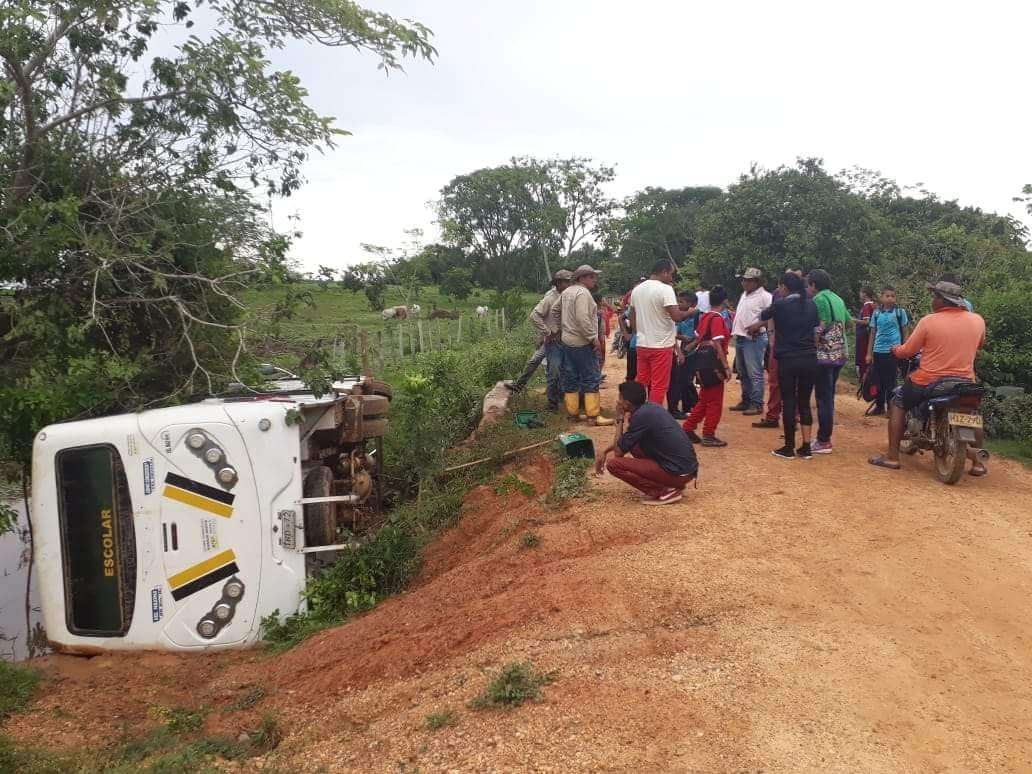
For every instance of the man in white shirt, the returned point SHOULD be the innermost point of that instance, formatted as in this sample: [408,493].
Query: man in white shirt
[546,326]
[750,350]
[654,318]
[703,295]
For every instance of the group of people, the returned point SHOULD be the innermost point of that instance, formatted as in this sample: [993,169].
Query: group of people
[790,348]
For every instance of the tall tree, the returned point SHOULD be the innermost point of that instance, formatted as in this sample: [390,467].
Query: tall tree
[508,214]
[127,173]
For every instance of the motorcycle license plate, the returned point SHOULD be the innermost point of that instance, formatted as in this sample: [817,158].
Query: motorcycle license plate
[965,420]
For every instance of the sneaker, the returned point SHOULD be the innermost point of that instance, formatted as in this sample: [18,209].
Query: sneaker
[804,452]
[739,407]
[678,415]
[666,498]
[752,411]
[712,440]
[785,453]
[693,436]
[770,424]
[821,447]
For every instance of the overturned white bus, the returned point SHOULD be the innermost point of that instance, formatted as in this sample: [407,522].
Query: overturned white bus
[181,528]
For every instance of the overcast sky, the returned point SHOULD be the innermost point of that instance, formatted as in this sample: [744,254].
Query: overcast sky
[673,94]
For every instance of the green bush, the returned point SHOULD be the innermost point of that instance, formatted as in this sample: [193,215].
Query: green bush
[515,684]
[1007,358]
[1009,418]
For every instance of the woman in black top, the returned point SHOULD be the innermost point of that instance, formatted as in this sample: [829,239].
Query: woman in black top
[795,344]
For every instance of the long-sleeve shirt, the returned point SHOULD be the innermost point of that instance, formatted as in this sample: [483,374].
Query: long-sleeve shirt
[541,315]
[578,316]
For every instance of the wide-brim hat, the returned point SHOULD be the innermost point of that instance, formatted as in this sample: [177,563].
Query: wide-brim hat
[580,271]
[951,291]
[751,274]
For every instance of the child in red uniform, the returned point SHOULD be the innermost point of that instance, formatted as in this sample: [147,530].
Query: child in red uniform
[712,331]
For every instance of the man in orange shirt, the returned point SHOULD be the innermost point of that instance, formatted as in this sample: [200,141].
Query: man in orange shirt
[948,340]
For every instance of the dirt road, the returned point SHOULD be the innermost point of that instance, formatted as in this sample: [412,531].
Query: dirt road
[787,616]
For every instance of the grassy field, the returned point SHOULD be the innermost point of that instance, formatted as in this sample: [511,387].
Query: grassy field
[331,313]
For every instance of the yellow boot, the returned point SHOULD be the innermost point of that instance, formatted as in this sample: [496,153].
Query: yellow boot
[572,403]
[593,405]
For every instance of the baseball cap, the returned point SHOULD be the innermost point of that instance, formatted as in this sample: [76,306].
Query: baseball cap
[580,271]
[563,274]
[751,274]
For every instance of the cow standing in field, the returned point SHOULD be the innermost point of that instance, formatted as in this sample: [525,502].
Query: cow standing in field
[414,310]
[482,311]
[395,313]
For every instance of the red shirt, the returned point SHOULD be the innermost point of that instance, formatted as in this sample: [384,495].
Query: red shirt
[713,327]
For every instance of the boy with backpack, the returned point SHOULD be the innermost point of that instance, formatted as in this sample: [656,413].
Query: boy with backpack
[681,395]
[710,364]
[888,329]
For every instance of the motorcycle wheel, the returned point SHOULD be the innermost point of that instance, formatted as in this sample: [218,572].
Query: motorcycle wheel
[950,454]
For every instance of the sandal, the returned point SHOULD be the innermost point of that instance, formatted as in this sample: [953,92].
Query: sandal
[880,462]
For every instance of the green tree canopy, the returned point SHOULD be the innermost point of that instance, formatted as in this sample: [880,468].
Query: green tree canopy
[127,216]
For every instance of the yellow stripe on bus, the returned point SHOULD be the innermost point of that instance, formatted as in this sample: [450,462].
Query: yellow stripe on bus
[197,501]
[201,568]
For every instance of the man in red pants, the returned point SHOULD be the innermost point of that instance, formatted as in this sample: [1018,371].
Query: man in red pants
[653,455]
[713,334]
[772,419]
[654,318]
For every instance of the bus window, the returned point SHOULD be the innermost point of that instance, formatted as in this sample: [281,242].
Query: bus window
[97,541]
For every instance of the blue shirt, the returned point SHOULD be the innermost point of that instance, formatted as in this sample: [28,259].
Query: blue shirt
[887,327]
[633,343]
[686,327]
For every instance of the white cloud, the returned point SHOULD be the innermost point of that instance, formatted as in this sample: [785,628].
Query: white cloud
[673,94]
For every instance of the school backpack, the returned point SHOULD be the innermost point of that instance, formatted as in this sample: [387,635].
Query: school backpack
[704,360]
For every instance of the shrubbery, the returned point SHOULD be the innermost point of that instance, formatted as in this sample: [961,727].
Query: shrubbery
[436,404]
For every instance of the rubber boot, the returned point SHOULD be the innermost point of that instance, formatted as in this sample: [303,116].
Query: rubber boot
[593,406]
[572,401]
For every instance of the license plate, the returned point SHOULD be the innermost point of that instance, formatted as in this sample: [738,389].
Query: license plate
[965,420]
[288,525]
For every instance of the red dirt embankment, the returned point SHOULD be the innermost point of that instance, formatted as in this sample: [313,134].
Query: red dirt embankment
[786,616]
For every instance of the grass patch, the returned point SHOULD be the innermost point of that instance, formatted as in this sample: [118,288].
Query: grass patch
[530,540]
[1011,448]
[16,686]
[515,684]
[247,700]
[438,720]
[571,480]
[267,736]
[512,484]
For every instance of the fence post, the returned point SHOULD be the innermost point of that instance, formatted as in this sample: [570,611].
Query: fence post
[401,345]
[458,337]
[503,319]
[419,327]
[363,352]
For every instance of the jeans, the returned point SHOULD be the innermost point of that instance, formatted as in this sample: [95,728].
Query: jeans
[580,371]
[552,354]
[827,378]
[632,363]
[750,368]
[796,376]
[654,371]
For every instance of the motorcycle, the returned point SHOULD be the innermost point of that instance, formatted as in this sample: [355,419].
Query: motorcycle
[946,425]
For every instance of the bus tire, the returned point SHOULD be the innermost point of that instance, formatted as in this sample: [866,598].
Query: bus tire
[378,387]
[320,518]
[375,406]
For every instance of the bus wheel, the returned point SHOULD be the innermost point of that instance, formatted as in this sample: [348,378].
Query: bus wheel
[320,518]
